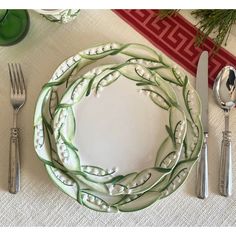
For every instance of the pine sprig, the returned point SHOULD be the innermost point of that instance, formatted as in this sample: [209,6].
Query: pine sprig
[218,22]
[165,13]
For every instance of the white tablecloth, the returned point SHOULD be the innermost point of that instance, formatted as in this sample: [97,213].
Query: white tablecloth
[40,203]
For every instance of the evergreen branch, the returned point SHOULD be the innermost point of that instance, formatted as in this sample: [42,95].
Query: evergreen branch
[166,13]
[217,22]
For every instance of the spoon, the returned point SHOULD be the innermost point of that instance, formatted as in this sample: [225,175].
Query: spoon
[225,95]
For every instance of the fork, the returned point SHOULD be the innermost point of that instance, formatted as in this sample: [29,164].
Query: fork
[18,98]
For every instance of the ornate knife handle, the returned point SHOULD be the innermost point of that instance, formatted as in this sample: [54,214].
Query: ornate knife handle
[14,162]
[225,185]
[202,172]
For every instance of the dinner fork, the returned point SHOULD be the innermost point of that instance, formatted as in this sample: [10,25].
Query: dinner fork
[18,98]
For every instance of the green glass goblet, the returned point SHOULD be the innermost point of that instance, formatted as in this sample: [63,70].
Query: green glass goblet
[14,25]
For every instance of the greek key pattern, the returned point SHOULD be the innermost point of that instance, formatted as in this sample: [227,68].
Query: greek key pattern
[175,37]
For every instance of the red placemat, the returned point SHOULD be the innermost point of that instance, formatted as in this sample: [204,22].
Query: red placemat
[175,37]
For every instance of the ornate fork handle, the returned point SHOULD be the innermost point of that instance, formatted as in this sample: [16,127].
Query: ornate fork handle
[14,162]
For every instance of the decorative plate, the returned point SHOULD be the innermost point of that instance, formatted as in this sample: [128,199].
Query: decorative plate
[99,187]
[59,15]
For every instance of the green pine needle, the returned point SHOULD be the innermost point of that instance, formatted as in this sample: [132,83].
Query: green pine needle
[217,22]
[165,13]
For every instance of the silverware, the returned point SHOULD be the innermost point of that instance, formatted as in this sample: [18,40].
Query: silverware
[202,89]
[18,97]
[225,95]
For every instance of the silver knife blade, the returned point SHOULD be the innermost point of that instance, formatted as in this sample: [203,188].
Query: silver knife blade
[202,87]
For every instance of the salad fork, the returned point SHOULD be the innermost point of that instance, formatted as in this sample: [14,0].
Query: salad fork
[18,98]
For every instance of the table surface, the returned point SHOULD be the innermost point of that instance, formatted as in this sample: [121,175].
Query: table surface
[40,203]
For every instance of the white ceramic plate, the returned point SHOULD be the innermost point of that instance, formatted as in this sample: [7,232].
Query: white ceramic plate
[121,129]
[80,149]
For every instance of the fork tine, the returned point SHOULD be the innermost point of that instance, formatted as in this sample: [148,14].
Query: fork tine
[22,79]
[11,79]
[20,86]
[15,80]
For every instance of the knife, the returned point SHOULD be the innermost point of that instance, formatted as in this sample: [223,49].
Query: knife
[202,89]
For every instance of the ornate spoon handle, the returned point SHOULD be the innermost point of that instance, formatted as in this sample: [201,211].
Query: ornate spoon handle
[225,185]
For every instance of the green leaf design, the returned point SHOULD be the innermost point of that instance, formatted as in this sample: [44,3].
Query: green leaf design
[135,202]
[63,181]
[100,187]
[96,203]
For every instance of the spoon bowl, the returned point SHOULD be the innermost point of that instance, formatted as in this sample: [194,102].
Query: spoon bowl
[224,88]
